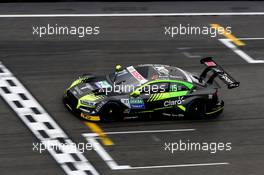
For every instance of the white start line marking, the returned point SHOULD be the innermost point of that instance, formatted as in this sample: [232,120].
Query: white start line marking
[92,138]
[239,52]
[104,155]
[42,125]
[141,132]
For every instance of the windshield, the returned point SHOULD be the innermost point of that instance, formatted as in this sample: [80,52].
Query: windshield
[130,78]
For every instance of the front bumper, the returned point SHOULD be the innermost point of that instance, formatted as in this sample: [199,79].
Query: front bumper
[70,103]
[89,117]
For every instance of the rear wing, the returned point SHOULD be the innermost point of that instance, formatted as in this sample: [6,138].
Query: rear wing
[217,71]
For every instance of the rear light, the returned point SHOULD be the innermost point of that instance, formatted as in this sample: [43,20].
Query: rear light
[216,93]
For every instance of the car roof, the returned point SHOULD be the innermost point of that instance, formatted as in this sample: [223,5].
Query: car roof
[162,72]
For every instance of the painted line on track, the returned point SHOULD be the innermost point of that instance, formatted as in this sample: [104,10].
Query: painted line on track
[251,38]
[96,129]
[92,139]
[239,52]
[42,125]
[147,131]
[189,55]
[130,14]
[180,165]
[229,35]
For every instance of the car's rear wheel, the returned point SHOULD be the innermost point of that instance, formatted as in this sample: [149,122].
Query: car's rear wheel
[111,112]
[196,109]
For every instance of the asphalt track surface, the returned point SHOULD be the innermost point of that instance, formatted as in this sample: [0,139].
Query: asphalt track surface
[46,66]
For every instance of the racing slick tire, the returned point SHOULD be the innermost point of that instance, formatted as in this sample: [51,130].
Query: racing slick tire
[196,109]
[111,112]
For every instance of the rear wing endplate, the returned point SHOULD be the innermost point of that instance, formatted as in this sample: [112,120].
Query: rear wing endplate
[217,71]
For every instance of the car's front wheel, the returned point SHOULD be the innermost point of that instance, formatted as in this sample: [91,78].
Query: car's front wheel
[110,112]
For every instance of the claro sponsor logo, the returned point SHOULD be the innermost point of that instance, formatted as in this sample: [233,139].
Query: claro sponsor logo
[173,102]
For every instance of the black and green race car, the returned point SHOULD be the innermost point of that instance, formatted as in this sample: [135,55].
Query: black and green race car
[148,90]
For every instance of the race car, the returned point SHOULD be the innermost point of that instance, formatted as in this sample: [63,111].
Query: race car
[148,90]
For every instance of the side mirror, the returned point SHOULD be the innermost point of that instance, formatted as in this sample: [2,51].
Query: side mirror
[135,93]
[118,68]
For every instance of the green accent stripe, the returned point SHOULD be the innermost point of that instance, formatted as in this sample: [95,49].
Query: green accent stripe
[164,108]
[187,84]
[158,96]
[153,98]
[166,95]
[182,107]
[145,111]
[209,113]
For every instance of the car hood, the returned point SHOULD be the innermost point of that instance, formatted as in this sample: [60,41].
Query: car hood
[90,88]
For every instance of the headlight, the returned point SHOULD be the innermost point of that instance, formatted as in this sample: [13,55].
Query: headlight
[88,103]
